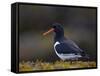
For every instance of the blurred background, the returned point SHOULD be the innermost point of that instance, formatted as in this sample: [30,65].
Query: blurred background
[79,25]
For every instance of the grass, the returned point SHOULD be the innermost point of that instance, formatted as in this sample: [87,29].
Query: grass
[40,65]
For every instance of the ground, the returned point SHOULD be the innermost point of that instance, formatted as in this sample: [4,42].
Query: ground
[40,65]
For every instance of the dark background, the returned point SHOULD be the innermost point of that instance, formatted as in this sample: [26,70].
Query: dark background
[79,25]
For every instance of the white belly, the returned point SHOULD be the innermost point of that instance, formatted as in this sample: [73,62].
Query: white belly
[66,56]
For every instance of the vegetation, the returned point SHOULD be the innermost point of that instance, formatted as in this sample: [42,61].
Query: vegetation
[40,65]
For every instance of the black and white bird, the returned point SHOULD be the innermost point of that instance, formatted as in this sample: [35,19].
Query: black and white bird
[65,48]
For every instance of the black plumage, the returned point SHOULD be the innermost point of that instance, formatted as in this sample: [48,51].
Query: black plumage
[66,45]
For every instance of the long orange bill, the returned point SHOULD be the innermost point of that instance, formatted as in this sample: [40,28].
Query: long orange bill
[52,29]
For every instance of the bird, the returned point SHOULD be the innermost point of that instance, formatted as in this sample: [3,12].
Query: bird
[65,48]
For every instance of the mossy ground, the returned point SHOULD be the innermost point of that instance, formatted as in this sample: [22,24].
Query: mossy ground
[40,65]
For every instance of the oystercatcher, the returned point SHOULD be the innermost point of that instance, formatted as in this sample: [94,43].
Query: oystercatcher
[65,48]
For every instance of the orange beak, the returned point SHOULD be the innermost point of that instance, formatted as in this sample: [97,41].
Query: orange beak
[52,29]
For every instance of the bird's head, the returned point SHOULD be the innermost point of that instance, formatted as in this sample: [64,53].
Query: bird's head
[56,27]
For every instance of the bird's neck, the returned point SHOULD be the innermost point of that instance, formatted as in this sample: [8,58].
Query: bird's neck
[59,36]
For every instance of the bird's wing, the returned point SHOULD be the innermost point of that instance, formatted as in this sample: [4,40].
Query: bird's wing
[73,45]
[66,48]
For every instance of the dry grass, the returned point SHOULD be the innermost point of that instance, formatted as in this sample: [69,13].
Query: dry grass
[40,65]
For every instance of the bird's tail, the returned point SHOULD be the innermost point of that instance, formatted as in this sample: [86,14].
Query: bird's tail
[85,56]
